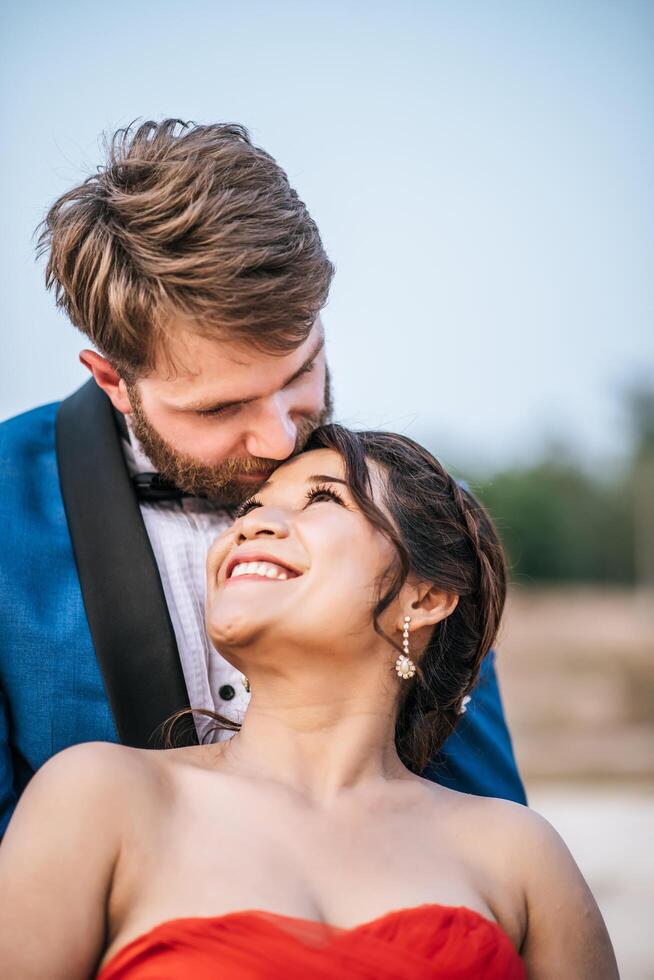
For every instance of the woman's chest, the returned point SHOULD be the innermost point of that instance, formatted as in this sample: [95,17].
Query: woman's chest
[343,867]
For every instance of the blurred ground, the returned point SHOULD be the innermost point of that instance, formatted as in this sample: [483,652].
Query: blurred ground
[577,672]
[609,831]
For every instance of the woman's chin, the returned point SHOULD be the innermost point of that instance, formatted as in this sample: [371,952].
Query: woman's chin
[237,624]
[251,593]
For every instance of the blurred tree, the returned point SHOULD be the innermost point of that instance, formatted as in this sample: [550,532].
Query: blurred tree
[640,403]
[559,523]
[639,399]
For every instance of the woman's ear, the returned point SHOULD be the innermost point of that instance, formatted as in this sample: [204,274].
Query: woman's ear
[426,605]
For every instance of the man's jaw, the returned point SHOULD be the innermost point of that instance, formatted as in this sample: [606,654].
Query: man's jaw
[232,480]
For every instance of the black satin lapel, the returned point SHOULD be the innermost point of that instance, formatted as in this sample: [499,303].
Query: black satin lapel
[123,597]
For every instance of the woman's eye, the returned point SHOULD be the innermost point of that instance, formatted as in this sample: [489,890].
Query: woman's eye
[312,495]
[323,493]
[246,507]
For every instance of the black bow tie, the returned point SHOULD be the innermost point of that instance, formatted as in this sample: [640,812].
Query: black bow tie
[152,488]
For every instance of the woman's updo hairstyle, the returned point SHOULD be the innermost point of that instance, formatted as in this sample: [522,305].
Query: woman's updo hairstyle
[445,537]
[442,534]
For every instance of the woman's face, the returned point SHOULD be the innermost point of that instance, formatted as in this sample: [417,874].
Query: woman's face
[299,571]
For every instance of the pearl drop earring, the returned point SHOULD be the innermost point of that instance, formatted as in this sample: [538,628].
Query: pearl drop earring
[404,665]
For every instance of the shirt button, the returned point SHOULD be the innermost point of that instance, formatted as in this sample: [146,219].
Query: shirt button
[227,692]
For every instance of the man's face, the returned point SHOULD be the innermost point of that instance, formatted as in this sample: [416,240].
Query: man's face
[220,422]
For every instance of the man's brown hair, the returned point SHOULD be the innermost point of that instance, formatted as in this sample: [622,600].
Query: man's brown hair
[191,220]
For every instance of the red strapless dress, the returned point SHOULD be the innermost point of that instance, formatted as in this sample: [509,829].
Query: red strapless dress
[422,943]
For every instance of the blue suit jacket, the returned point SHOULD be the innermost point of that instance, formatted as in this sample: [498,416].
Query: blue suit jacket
[87,650]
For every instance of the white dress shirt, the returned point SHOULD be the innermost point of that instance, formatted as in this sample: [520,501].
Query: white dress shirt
[180,533]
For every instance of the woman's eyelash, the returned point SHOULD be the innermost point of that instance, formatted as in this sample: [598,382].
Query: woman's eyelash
[247,506]
[322,490]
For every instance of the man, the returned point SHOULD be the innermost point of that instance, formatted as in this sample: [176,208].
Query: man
[199,276]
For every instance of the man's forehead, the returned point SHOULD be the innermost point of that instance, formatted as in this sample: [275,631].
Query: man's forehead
[188,354]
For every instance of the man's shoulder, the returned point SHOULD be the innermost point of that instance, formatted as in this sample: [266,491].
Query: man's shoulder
[29,429]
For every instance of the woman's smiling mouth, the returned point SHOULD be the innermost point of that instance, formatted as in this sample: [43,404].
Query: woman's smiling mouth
[259,567]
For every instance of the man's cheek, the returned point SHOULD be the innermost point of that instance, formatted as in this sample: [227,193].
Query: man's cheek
[195,435]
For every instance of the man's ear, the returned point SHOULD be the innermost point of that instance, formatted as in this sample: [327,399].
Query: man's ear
[107,378]
[426,605]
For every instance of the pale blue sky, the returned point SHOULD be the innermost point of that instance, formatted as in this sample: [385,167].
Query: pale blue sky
[481,173]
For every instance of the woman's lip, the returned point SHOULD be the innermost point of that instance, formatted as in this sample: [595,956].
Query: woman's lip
[257,578]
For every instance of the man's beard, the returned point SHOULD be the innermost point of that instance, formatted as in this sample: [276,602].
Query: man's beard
[220,481]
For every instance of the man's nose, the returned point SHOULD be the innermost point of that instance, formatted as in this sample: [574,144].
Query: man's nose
[274,434]
[262,522]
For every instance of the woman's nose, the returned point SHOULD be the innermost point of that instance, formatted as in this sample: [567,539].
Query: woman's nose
[262,522]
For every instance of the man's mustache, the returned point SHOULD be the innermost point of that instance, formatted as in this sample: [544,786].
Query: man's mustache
[249,465]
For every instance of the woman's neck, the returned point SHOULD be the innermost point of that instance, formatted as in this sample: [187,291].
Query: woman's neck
[319,737]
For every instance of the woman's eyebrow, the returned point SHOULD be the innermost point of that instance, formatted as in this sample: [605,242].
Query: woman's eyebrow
[322,478]
[316,478]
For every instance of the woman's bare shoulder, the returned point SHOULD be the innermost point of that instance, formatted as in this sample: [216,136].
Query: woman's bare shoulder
[525,858]
[97,776]
[505,816]
[504,833]
[97,762]
[514,829]
[60,852]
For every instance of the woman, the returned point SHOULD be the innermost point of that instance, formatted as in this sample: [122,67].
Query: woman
[359,592]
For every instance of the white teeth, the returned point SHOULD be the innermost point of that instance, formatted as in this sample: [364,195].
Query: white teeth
[264,569]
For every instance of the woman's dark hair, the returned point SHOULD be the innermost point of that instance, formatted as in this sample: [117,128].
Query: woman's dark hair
[444,536]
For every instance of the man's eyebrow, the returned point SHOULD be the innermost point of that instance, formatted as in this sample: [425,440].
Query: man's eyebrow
[307,362]
[220,406]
